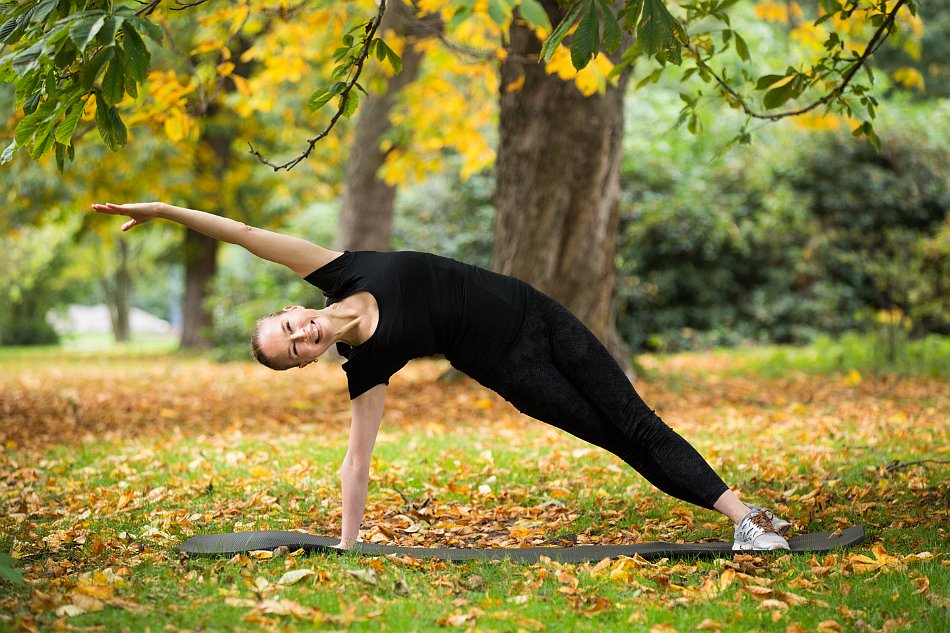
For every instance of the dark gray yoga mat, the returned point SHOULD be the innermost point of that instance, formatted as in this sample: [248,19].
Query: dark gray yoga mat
[238,542]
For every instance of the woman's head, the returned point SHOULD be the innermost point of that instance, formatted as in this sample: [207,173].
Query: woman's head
[294,337]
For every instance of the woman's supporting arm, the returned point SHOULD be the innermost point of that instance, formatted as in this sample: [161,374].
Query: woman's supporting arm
[354,475]
[297,254]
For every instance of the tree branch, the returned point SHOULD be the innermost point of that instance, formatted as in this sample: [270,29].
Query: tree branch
[897,464]
[879,36]
[371,29]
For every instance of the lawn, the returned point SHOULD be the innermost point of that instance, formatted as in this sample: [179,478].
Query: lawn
[108,461]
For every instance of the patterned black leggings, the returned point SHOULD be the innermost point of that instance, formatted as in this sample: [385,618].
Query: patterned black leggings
[558,372]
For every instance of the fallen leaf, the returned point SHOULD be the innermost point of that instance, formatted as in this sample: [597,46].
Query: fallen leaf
[294,576]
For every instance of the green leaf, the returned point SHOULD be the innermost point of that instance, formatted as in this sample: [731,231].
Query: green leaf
[611,28]
[534,14]
[767,80]
[25,130]
[630,13]
[560,31]
[777,96]
[394,60]
[586,38]
[351,103]
[30,105]
[64,131]
[7,572]
[656,28]
[91,69]
[41,144]
[137,56]
[8,28]
[318,99]
[113,83]
[152,30]
[60,157]
[85,31]
[496,11]
[110,125]
[5,158]
[742,48]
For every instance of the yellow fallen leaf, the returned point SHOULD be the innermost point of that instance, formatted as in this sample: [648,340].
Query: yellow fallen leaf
[726,579]
[708,625]
[772,603]
[829,626]
[124,499]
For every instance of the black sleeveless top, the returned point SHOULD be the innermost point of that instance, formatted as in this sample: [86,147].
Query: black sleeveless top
[427,305]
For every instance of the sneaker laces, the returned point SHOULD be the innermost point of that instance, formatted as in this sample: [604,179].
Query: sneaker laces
[761,520]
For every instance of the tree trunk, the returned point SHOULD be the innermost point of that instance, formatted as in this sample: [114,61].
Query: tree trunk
[119,293]
[558,194]
[200,265]
[366,214]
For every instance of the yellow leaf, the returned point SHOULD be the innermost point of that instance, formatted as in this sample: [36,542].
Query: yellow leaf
[515,85]
[853,378]
[226,69]
[909,77]
[726,578]
[829,626]
[124,499]
[560,493]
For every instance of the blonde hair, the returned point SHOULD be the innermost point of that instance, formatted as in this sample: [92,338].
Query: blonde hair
[258,351]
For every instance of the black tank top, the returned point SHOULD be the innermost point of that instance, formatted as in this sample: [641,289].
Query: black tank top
[427,305]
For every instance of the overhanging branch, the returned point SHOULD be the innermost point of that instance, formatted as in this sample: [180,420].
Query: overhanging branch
[371,29]
[879,36]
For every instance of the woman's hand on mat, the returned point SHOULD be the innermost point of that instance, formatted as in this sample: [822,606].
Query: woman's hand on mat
[140,212]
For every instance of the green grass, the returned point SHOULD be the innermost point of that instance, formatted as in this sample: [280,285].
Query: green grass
[823,463]
[867,354]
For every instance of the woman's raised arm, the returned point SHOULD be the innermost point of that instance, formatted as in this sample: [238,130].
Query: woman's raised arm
[297,254]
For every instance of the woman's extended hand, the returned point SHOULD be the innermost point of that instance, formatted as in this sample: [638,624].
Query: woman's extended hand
[140,212]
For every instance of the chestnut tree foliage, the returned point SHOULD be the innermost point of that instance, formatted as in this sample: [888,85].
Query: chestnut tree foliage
[88,60]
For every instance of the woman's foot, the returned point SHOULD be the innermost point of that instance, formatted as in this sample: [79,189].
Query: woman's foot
[781,526]
[755,532]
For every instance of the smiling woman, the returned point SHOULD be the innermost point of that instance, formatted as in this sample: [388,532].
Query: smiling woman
[384,309]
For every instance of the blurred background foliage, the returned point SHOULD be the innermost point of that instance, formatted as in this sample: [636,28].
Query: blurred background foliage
[805,233]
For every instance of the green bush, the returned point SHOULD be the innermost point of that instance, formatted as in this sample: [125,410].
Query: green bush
[783,244]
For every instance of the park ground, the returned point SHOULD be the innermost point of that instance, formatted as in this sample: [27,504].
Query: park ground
[110,459]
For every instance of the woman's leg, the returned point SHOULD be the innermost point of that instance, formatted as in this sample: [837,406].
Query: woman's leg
[538,377]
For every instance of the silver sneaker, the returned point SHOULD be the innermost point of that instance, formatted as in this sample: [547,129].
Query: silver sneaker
[755,532]
[781,526]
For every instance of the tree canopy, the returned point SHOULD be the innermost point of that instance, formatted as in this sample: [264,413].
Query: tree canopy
[89,60]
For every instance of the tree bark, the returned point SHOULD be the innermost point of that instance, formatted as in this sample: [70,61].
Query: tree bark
[558,194]
[119,295]
[366,214]
[201,254]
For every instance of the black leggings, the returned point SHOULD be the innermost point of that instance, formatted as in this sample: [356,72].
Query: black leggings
[558,372]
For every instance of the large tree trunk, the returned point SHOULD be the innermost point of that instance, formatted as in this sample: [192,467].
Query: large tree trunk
[558,193]
[119,295]
[201,251]
[201,254]
[366,215]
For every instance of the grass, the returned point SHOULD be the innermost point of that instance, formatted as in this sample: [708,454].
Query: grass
[128,454]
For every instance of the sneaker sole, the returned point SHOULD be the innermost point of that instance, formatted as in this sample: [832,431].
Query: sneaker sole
[742,547]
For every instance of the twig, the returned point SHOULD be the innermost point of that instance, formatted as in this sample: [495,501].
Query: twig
[879,36]
[371,27]
[897,464]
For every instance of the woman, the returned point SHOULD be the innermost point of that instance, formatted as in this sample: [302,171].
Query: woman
[384,309]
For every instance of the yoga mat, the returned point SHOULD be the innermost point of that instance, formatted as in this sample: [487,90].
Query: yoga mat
[238,542]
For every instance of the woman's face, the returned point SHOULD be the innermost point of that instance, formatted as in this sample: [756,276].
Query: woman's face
[296,337]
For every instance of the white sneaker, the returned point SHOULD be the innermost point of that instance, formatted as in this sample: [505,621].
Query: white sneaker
[781,526]
[755,532]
